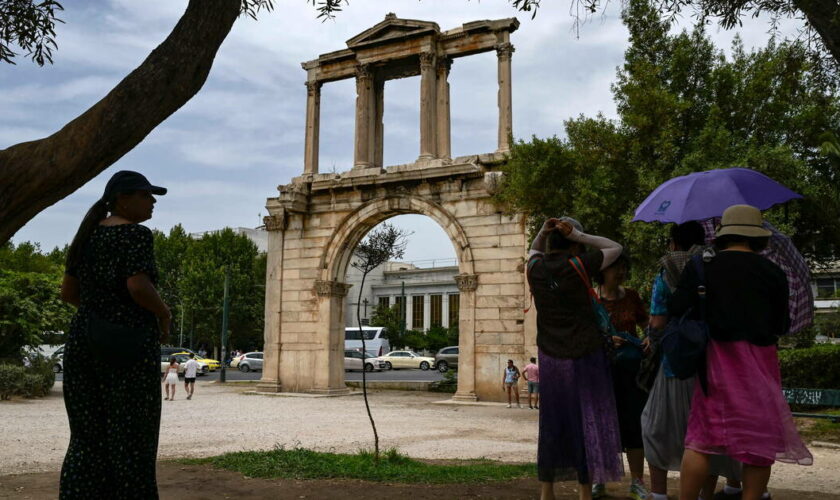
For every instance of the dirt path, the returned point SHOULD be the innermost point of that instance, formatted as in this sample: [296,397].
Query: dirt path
[204,483]
[219,419]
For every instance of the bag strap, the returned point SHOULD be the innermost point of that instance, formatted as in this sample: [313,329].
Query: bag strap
[700,268]
[577,265]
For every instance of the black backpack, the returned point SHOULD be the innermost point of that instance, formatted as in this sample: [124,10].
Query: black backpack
[684,340]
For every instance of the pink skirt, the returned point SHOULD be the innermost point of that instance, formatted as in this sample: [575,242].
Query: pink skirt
[744,415]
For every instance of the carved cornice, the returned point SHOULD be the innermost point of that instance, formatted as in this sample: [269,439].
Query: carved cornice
[504,50]
[466,282]
[331,288]
[313,87]
[427,60]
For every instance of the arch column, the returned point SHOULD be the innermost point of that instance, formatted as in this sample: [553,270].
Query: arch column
[329,361]
[467,284]
[504,52]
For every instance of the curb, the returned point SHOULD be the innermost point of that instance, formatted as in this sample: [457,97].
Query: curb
[825,444]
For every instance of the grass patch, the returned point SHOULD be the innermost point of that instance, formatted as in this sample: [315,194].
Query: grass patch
[299,463]
[819,430]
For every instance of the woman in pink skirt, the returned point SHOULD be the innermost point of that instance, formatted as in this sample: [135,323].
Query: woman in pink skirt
[741,412]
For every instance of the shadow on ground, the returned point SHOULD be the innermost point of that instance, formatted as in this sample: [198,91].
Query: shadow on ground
[176,481]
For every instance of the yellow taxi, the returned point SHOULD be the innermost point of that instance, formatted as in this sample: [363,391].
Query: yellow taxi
[212,364]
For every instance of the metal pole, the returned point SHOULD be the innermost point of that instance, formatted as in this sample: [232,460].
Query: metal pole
[225,314]
[181,341]
[403,309]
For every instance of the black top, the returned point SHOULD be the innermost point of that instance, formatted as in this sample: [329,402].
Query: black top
[566,323]
[746,298]
[111,256]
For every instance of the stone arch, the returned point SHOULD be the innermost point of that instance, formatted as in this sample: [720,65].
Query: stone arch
[354,226]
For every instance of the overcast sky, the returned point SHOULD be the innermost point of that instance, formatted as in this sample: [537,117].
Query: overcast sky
[227,149]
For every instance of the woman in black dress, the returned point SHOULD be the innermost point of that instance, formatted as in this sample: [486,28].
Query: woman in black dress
[114,416]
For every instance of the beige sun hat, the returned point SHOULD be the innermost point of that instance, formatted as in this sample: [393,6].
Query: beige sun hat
[742,220]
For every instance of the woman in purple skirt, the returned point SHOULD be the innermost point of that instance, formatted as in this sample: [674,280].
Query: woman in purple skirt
[579,433]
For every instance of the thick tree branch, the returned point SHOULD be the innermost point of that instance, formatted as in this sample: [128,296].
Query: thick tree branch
[824,17]
[36,174]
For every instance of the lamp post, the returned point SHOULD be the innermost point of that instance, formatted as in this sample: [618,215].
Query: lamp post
[403,309]
[225,314]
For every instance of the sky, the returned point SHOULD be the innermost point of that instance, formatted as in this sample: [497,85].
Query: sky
[226,151]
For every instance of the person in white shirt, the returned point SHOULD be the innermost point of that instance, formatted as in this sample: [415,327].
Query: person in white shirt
[190,370]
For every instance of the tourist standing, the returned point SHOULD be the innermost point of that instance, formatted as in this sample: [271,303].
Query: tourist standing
[665,416]
[170,378]
[110,276]
[531,373]
[510,382]
[740,412]
[579,436]
[190,372]
[628,314]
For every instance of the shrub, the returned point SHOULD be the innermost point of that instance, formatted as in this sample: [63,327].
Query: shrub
[11,380]
[448,384]
[816,367]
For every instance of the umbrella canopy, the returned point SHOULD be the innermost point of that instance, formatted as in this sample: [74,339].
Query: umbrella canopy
[703,195]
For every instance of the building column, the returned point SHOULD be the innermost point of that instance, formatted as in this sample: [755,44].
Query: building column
[444,310]
[364,104]
[328,367]
[427,312]
[444,147]
[273,335]
[428,106]
[313,125]
[467,285]
[505,51]
[378,125]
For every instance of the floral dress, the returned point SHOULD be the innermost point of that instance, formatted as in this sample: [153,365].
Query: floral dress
[114,412]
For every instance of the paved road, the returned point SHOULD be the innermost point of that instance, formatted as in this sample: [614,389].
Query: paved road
[391,375]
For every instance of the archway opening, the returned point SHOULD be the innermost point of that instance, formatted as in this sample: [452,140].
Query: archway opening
[408,308]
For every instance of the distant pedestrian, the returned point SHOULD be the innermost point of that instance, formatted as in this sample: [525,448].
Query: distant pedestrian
[111,276]
[202,353]
[531,373]
[190,371]
[170,378]
[510,382]
[579,436]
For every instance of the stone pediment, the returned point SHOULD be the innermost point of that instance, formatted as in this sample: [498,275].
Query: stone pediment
[391,28]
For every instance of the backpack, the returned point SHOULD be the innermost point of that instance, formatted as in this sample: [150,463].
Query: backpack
[684,340]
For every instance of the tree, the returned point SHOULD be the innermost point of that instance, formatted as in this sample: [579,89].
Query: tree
[31,312]
[378,247]
[36,174]
[392,320]
[684,107]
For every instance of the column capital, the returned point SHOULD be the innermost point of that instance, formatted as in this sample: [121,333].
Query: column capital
[505,50]
[466,282]
[427,60]
[313,87]
[364,72]
[444,63]
[276,222]
[326,288]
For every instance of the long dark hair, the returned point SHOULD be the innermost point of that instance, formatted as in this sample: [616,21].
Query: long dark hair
[97,212]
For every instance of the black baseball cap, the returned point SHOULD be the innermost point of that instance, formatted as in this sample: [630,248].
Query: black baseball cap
[126,181]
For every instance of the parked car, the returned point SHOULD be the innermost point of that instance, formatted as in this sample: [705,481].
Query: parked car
[353,360]
[250,361]
[407,359]
[58,360]
[447,358]
[182,359]
[376,340]
[213,364]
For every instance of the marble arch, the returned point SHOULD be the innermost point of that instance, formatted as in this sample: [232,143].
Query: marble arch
[317,219]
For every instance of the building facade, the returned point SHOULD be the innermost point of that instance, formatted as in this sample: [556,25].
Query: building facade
[429,295]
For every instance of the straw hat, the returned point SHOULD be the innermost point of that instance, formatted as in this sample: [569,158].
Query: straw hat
[742,220]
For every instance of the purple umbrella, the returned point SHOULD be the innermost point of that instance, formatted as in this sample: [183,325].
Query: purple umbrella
[703,195]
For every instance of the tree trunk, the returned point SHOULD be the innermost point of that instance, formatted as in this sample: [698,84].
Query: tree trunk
[824,17]
[36,174]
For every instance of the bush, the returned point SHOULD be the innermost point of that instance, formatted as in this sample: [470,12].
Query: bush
[34,381]
[816,367]
[11,381]
[448,384]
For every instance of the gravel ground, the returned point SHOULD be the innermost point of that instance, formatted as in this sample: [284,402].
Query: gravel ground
[34,433]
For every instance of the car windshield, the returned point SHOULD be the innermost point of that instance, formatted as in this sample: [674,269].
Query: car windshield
[355,335]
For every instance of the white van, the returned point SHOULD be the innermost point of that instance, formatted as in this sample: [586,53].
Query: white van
[376,340]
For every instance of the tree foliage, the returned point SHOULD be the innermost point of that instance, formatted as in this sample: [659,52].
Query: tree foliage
[31,312]
[191,283]
[684,106]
